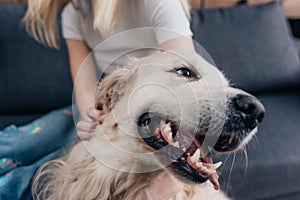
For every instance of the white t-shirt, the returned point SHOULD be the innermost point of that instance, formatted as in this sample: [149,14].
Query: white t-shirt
[164,19]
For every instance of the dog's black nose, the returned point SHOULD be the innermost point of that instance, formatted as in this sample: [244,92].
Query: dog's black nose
[250,107]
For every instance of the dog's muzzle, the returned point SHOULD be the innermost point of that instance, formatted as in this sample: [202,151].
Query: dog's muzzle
[183,150]
[243,116]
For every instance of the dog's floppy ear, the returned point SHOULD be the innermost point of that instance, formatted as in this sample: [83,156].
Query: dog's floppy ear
[111,88]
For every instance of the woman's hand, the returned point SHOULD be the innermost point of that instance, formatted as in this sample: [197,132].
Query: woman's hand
[166,186]
[86,128]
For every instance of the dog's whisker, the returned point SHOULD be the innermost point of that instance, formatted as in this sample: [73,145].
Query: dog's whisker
[255,141]
[230,173]
[246,160]
[226,159]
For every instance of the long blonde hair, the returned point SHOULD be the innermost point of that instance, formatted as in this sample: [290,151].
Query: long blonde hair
[41,21]
[41,18]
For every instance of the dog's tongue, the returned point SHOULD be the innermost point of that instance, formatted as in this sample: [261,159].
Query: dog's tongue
[214,177]
[205,166]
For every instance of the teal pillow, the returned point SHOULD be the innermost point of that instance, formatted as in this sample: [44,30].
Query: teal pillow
[252,45]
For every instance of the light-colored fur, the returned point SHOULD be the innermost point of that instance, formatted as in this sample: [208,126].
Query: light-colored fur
[116,163]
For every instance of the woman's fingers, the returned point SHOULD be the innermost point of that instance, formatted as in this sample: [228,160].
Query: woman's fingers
[86,129]
[84,135]
[87,126]
[94,114]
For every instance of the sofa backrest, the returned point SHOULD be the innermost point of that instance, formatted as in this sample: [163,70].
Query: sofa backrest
[33,78]
[252,45]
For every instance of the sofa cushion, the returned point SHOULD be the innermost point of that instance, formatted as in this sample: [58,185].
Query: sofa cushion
[33,78]
[252,45]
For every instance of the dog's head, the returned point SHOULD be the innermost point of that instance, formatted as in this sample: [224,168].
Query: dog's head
[181,108]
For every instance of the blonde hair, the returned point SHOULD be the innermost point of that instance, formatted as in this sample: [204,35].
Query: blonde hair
[86,178]
[41,21]
[105,15]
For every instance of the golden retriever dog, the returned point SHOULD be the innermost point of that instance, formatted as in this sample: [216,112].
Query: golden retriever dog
[164,114]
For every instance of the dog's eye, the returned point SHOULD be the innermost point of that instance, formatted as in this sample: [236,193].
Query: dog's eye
[186,72]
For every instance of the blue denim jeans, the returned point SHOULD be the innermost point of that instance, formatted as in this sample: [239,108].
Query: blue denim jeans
[23,149]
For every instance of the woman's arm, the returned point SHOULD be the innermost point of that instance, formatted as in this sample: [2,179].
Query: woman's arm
[83,75]
[84,78]
[291,8]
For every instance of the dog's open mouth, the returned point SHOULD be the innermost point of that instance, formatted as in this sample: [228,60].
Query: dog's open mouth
[178,149]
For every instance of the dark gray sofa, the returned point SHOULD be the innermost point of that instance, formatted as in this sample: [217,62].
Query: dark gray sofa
[35,80]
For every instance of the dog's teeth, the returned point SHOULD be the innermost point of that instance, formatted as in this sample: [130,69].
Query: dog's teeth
[196,156]
[184,149]
[167,132]
[204,169]
[167,128]
[162,125]
[176,144]
[193,159]
[199,164]
[208,171]
[198,153]
[170,138]
[215,165]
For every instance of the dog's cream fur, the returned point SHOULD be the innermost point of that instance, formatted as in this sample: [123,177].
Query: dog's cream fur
[116,164]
